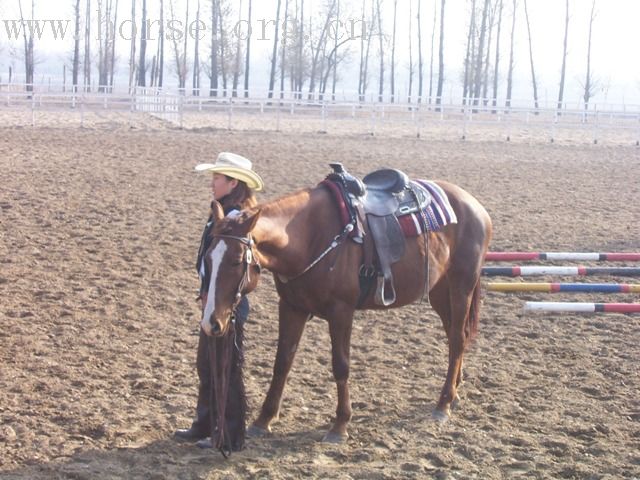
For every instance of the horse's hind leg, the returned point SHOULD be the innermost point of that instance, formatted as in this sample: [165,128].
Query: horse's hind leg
[291,326]
[462,290]
[441,303]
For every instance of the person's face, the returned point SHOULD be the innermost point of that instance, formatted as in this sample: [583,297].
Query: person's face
[221,185]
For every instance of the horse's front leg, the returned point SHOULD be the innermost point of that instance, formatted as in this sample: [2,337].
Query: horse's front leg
[340,331]
[291,326]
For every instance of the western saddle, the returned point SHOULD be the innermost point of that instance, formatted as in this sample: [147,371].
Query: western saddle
[377,201]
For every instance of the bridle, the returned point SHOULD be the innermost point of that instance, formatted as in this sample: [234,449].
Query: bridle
[249,258]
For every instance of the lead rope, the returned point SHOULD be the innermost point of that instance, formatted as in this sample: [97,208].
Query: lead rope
[221,380]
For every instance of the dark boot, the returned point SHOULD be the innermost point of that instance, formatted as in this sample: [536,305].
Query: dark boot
[201,426]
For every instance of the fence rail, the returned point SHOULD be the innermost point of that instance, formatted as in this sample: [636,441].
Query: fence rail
[318,114]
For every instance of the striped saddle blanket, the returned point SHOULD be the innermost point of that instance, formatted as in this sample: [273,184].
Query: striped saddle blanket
[437,215]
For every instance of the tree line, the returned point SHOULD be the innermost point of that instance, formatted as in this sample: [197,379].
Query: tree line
[310,51]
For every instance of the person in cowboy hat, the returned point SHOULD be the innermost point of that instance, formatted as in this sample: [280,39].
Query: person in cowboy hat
[233,184]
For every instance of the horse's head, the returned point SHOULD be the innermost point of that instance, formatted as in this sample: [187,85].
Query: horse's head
[233,266]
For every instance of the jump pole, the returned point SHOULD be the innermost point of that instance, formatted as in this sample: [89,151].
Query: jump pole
[563,256]
[563,287]
[582,307]
[518,271]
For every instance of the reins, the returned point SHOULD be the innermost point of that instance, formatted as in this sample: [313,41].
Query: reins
[221,386]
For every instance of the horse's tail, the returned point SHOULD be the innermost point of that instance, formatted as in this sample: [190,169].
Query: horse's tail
[473,319]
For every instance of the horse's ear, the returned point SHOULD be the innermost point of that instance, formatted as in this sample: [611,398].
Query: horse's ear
[216,211]
[250,219]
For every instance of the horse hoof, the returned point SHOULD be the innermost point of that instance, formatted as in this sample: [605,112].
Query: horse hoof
[333,437]
[456,403]
[440,416]
[258,432]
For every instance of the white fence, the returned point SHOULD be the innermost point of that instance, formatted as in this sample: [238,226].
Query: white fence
[153,108]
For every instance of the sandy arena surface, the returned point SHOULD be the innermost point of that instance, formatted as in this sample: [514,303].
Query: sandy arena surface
[98,233]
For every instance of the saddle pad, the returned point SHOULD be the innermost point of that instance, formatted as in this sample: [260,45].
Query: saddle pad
[338,196]
[437,215]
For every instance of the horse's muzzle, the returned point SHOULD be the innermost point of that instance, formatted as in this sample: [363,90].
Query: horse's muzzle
[212,327]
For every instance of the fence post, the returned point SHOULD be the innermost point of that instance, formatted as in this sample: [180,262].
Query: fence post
[464,122]
[324,116]
[33,109]
[82,110]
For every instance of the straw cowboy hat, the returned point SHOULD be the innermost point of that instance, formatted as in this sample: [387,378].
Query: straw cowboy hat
[234,166]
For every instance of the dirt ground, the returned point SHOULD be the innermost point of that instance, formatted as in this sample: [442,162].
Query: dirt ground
[98,234]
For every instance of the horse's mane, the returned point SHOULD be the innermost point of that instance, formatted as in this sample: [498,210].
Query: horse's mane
[282,204]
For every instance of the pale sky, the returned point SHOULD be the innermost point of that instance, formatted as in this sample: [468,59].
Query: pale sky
[615,61]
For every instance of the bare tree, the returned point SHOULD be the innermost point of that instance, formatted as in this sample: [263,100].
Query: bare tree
[364,72]
[28,48]
[180,54]
[510,71]
[112,57]
[533,72]
[236,63]
[478,64]
[393,52]
[468,67]
[283,50]
[433,42]
[142,68]
[335,63]
[274,54]
[299,62]
[76,47]
[320,47]
[487,62]
[410,51]
[420,62]
[497,62]
[87,48]
[333,59]
[441,56]
[106,42]
[247,55]
[564,58]
[132,50]
[381,38]
[589,83]
[184,68]
[160,69]
[213,55]
[195,81]
[228,55]
[362,50]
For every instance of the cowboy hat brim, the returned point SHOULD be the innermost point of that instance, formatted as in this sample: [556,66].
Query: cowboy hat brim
[251,178]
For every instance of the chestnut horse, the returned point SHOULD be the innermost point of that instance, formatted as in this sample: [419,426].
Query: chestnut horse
[287,235]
